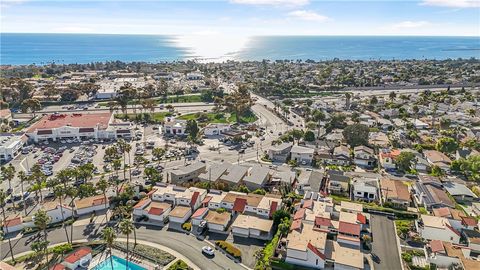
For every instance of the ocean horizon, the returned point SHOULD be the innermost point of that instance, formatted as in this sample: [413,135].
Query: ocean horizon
[41,49]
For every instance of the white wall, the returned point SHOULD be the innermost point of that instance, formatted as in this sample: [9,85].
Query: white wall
[240,231]
[89,210]
[338,266]
[56,214]
[306,258]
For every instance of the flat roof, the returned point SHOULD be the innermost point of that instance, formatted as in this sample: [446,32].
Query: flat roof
[252,199]
[217,218]
[347,256]
[180,211]
[251,222]
[90,201]
[78,120]
[298,239]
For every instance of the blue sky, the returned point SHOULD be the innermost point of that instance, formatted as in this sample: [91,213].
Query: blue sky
[244,17]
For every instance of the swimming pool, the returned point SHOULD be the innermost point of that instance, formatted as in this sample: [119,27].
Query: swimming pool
[118,264]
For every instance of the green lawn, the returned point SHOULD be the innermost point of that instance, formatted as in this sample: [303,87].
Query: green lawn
[170,99]
[158,116]
[248,117]
[205,117]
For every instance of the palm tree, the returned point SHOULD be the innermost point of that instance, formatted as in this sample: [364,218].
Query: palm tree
[3,196]
[23,178]
[59,192]
[126,227]
[41,220]
[8,173]
[39,178]
[64,176]
[348,96]
[103,186]
[72,192]
[109,235]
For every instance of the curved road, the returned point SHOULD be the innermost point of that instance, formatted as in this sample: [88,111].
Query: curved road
[182,243]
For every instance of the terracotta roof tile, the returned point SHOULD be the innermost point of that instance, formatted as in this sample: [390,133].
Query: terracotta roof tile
[78,254]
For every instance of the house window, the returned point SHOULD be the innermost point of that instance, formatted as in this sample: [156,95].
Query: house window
[316,262]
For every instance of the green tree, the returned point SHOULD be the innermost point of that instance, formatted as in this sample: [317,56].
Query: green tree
[31,104]
[59,192]
[297,134]
[259,191]
[436,171]
[356,134]
[446,145]
[192,129]
[103,186]
[309,136]
[392,96]
[8,173]
[41,221]
[126,227]
[153,175]
[3,197]
[109,236]
[404,161]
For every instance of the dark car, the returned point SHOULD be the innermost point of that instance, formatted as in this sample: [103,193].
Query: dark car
[375,258]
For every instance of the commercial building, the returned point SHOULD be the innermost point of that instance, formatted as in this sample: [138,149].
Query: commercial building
[187,173]
[11,146]
[78,126]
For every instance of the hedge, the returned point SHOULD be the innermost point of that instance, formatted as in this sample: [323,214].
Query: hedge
[187,226]
[230,249]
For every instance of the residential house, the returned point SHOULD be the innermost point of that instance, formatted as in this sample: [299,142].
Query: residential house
[234,175]
[257,177]
[395,192]
[435,253]
[302,155]
[460,192]
[280,152]
[430,194]
[365,189]
[436,158]
[238,202]
[465,153]
[154,212]
[187,173]
[379,139]
[179,214]
[341,155]
[437,228]
[214,172]
[306,246]
[349,234]
[90,205]
[364,156]
[268,205]
[57,212]
[454,216]
[387,157]
[309,180]
[217,222]
[344,257]
[191,197]
[252,227]
[338,183]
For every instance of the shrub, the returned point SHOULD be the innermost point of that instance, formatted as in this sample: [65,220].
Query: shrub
[187,226]
[220,210]
[62,249]
[230,249]
[179,265]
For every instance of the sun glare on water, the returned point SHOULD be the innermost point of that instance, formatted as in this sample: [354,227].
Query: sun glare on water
[211,46]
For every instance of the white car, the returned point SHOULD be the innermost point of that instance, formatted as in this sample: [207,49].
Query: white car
[208,250]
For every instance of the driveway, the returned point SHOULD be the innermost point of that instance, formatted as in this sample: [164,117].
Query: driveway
[179,242]
[384,243]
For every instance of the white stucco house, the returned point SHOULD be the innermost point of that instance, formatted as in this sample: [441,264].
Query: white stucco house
[90,205]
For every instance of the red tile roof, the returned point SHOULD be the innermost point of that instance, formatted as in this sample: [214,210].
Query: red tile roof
[361,218]
[151,192]
[155,211]
[74,120]
[78,254]
[299,214]
[452,229]
[194,198]
[436,246]
[206,200]
[296,225]
[273,208]
[469,221]
[316,251]
[239,204]
[442,212]
[200,212]
[13,222]
[349,228]
[308,204]
[141,203]
[321,221]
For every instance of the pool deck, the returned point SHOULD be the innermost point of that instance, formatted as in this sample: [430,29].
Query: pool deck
[105,255]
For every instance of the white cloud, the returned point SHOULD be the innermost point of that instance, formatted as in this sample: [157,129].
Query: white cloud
[308,15]
[410,24]
[453,3]
[288,3]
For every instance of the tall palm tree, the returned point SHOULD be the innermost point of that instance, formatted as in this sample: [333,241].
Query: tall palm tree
[38,178]
[59,192]
[72,192]
[126,227]
[109,236]
[23,178]
[8,173]
[103,186]
[64,176]
[3,196]
[41,221]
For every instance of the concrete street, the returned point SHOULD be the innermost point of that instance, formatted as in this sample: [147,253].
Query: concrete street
[185,244]
[384,243]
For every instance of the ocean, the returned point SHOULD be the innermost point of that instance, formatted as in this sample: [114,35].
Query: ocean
[18,49]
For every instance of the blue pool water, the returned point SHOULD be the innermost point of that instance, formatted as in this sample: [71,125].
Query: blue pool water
[118,263]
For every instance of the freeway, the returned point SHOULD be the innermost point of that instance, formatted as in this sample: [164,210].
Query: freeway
[182,243]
